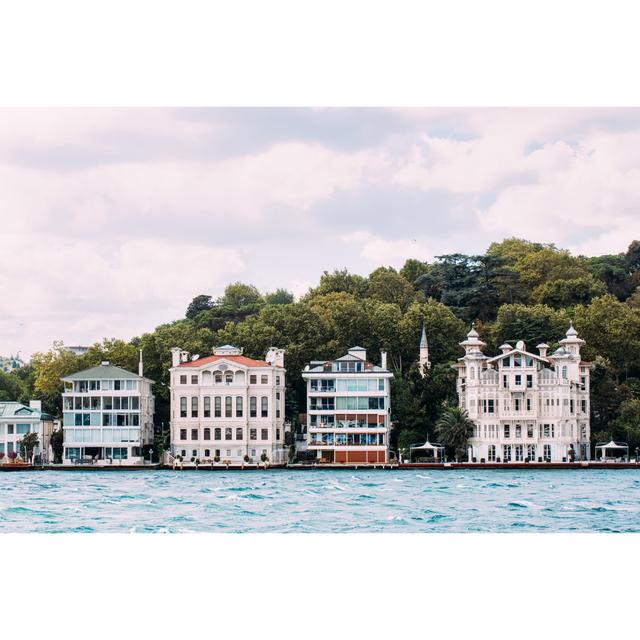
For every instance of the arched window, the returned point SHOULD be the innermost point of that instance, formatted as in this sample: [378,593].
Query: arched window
[217,433]
[228,377]
[238,406]
[217,378]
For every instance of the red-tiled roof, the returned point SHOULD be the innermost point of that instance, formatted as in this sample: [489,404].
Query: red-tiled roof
[247,362]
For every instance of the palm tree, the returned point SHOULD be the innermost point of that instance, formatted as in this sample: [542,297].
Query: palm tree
[454,428]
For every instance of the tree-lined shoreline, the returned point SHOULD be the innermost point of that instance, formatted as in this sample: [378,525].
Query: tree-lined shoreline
[516,290]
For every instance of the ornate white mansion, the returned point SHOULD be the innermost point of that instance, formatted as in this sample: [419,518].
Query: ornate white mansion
[526,406]
[228,406]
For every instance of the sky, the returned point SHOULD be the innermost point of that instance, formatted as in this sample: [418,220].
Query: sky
[114,219]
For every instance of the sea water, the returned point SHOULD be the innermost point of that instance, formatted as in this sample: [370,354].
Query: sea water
[321,501]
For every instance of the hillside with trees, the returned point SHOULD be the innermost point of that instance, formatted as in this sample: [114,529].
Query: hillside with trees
[516,290]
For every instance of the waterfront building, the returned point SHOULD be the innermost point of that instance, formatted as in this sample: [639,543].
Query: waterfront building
[526,406]
[17,420]
[107,415]
[228,406]
[348,408]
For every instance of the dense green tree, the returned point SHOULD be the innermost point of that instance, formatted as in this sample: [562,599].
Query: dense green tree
[568,293]
[533,324]
[279,296]
[387,285]
[613,272]
[612,330]
[413,269]
[198,304]
[340,281]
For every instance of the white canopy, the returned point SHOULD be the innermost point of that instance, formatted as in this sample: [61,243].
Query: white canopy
[611,445]
[427,445]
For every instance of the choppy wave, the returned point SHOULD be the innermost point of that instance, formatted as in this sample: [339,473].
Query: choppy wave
[326,501]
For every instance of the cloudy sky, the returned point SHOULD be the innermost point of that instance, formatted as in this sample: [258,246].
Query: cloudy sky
[113,220]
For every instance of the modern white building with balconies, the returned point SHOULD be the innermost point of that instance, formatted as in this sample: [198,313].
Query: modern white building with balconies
[228,406]
[107,415]
[348,408]
[526,406]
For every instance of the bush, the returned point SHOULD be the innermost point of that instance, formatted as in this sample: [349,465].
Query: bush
[264,457]
[216,459]
[247,458]
[12,455]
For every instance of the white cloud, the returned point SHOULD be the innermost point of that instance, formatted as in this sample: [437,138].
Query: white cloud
[112,219]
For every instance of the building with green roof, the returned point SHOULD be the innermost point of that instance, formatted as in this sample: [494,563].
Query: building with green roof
[107,415]
[16,421]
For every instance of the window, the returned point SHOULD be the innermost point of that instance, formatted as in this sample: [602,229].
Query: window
[564,373]
[228,407]
[207,407]
[194,453]
[228,377]
[277,380]
[253,434]
[517,404]
[264,407]
[529,381]
[507,431]
[194,434]
[207,433]
[506,453]
[519,453]
[491,453]
[277,434]
[253,379]
[228,433]
[217,377]
[217,433]
[529,431]
[264,379]
[547,452]
[183,434]
[207,453]
[583,406]
[194,407]
[10,428]
[518,431]
[238,433]
[238,406]
[217,407]
[528,404]
[518,379]
[505,382]
[194,379]
[571,406]
[183,379]
[183,407]
[264,434]
[253,411]
[531,451]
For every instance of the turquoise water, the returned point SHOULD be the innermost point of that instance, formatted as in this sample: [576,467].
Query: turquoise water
[417,501]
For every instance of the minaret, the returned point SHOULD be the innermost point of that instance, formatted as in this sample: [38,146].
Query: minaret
[425,364]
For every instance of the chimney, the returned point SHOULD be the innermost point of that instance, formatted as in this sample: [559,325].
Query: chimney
[140,366]
[542,348]
[383,359]
[175,356]
[35,404]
